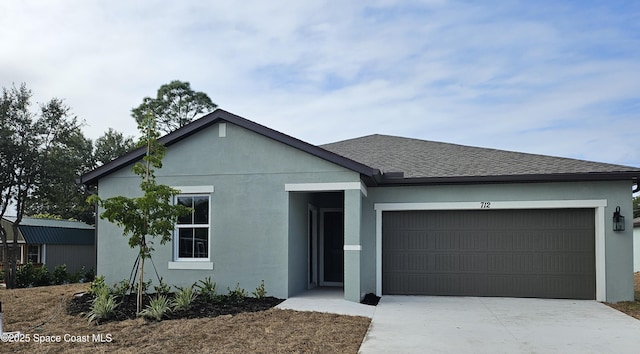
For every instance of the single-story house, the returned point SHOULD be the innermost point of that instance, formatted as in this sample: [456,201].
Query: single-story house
[636,245]
[53,242]
[378,214]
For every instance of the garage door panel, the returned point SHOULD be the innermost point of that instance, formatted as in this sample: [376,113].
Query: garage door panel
[521,253]
[406,240]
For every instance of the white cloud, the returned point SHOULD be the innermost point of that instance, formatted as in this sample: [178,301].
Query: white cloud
[560,79]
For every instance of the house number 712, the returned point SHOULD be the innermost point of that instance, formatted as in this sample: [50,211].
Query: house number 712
[485,205]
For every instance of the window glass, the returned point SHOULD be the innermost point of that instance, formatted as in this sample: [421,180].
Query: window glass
[201,210]
[187,202]
[33,253]
[192,231]
[201,242]
[185,242]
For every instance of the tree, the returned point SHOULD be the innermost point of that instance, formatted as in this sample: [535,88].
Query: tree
[636,207]
[29,141]
[19,163]
[153,214]
[175,106]
[111,145]
[57,190]
[14,105]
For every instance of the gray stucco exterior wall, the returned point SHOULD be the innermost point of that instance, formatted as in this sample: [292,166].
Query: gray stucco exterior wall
[252,238]
[618,245]
[298,243]
[261,192]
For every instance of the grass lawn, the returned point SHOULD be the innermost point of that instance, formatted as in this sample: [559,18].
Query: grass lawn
[41,314]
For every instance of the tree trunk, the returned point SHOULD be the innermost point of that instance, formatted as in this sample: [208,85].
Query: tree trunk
[5,253]
[11,279]
[143,251]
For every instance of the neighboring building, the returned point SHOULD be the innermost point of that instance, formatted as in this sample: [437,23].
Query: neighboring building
[54,242]
[380,214]
[636,245]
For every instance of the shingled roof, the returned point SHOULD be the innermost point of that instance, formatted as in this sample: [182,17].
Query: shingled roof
[414,160]
[383,159]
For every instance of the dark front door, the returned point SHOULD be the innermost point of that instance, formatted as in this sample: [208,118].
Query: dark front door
[333,247]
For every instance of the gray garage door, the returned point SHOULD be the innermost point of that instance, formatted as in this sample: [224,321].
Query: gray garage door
[512,253]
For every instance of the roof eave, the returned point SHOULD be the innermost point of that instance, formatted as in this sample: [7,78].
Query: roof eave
[526,178]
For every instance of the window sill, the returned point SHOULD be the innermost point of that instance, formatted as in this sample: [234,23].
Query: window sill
[191,265]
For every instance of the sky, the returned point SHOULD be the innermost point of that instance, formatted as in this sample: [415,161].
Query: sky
[558,78]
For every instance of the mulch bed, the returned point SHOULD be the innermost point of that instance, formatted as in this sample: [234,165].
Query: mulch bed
[224,305]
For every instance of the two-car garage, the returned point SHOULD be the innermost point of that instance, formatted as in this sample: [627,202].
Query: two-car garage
[547,253]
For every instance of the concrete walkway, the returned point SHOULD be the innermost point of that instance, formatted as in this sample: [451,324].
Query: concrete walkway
[329,300]
[430,324]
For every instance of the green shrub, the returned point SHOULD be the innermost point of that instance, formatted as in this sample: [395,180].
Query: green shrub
[207,289]
[98,286]
[162,288]
[29,275]
[25,276]
[145,286]
[157,308]
[41,276]
[183,298]
[237,295]
[89,275]
[121,288]
[260,292]
[60,275]
[103,306]
[74,277]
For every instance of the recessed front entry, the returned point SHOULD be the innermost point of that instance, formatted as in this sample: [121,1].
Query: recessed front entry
[546,253]
[331,247]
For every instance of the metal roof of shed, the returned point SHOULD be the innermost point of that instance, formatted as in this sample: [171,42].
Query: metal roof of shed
[43,235]
[53,232]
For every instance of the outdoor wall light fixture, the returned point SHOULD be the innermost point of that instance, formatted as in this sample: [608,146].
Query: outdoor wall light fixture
[618,220]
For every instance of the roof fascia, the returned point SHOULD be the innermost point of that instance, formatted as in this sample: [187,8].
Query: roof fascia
[530,178]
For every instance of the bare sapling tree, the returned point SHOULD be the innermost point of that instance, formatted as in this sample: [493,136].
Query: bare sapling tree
[151,215]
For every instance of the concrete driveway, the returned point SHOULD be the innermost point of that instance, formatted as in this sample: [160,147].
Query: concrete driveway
[438,324]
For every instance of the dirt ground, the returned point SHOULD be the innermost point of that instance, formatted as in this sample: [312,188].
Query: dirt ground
[39,313]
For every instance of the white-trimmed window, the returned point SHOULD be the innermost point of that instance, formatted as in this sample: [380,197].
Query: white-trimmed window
[33,254]
[193,231]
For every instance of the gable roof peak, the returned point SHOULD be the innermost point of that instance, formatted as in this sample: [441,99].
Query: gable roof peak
[220,115]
